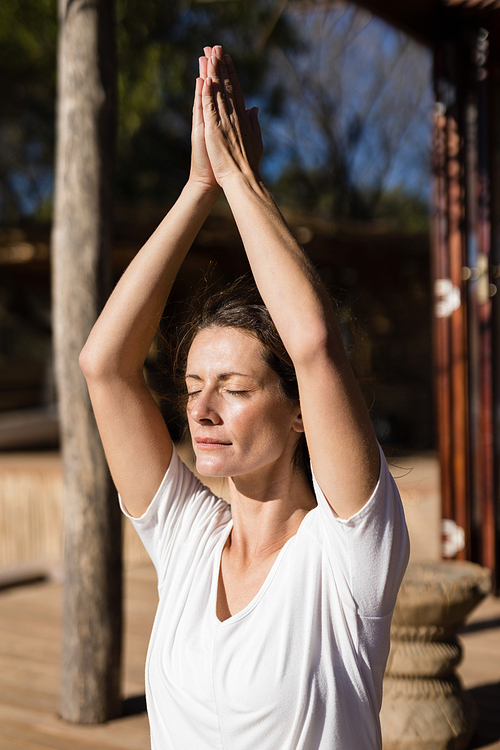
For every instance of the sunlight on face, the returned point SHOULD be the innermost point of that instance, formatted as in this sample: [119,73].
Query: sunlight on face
[239,420]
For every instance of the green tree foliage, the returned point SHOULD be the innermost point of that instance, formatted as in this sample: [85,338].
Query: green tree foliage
[28,34]
[158,47]
[158,43]
[355,119]
[331,82]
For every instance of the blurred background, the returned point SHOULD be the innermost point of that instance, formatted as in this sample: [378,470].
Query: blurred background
[347,148]
[346,106]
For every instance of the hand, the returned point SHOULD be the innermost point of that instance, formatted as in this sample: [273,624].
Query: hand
[232,133]
[201,170]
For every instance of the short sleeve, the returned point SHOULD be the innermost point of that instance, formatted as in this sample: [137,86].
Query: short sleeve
[182,507]
[370,550]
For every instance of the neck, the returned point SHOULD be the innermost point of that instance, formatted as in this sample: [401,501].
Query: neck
[267,511]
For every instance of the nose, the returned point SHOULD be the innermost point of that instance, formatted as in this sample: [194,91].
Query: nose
[203,410]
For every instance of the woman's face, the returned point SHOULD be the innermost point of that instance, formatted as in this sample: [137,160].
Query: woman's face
[239,420]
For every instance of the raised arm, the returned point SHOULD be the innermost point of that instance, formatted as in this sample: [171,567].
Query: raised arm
[339,433]
[134,435]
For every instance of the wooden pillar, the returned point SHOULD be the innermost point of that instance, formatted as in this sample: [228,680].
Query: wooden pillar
[480,322]
[450,311]
[81,280]
[465,251]
[441,329]
[494,163]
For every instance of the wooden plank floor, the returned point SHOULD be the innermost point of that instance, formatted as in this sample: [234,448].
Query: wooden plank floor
[30,655]
[30,636]
[480,670]
[30,644]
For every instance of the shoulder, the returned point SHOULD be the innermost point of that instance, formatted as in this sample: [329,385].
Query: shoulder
[369,551]
[384,502]
[182,507]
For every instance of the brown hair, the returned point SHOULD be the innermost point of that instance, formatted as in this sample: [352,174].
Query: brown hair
[239,305]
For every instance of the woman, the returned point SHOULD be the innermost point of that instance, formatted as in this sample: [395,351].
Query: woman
[272,629]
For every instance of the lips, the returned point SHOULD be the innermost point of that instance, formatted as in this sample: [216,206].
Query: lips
[207,442]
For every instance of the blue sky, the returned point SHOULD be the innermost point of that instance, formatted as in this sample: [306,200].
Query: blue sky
[368,76]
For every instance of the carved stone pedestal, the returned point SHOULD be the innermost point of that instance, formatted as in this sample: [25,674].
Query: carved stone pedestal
[424,706]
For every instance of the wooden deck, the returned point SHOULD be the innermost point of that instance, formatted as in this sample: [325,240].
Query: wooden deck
[30,655]
[30,636]
[30,631]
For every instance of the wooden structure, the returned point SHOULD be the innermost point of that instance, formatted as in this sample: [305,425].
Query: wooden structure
[465,249]
[424,705]
[30,654]
[81,253]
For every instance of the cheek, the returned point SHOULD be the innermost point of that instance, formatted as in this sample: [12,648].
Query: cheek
[273,422]
[248,425]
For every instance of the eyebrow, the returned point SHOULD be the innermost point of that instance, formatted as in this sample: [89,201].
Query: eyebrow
[221,376]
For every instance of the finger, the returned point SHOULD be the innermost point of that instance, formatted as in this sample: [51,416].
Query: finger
[237,92]
[226,86]
[255,125]
[208,52]
[253,115]
[213,68]
[217,51]
[203,62]
[210,112]
[213,73]
[198,105]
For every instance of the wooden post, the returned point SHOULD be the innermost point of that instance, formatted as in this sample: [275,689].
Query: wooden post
[81,280]
[450,313]
[487,497]
[478,231]
[494,130]
[440,273]
[458,333]
[466,263]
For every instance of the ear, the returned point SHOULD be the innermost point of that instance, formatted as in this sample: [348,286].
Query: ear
[297,423]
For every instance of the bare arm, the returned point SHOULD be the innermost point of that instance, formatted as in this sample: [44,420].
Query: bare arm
[135,437]
[339,432]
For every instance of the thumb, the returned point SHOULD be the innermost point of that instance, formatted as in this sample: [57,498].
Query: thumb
[254,120]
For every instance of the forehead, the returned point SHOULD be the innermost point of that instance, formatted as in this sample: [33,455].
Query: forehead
[229,350]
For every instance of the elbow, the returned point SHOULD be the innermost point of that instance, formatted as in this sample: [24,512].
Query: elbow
[105,365]
[316,344]
[94,362]
[88,362]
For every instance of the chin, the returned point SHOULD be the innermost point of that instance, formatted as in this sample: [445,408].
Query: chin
[210,469]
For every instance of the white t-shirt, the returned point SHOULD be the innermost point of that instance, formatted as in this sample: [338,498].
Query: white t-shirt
[301,666]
